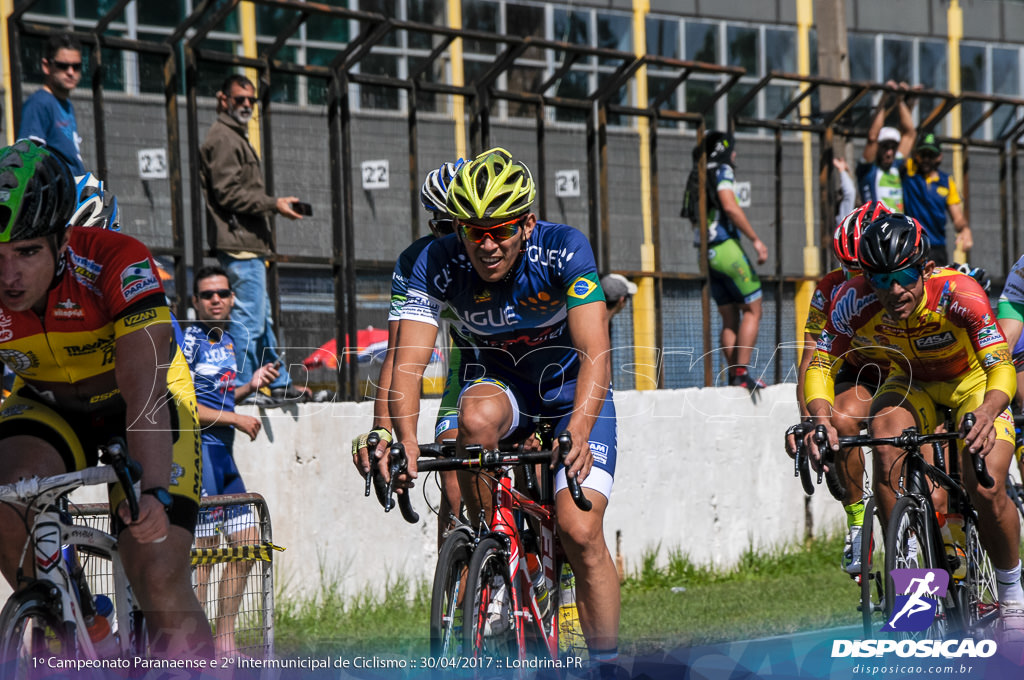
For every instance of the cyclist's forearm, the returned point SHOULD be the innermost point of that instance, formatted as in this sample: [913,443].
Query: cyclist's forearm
[142,380]
[820,410]
[995,403]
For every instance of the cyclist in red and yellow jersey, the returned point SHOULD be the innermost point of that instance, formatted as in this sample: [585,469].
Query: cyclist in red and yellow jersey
[944,347]
[85,326]
[860,376]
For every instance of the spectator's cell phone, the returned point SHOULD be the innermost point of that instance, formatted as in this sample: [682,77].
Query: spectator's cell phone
[302,208]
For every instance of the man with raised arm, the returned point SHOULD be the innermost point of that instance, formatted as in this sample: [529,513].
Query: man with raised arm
[529,304]
[85,326]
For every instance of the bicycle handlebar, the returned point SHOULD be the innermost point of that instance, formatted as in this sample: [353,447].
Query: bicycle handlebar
[479,458]
[128,472]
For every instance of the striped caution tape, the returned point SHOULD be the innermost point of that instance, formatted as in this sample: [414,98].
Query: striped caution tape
[238,553]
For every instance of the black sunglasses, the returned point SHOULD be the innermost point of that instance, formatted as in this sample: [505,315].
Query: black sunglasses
[65,65]
[242,99]
[222,293]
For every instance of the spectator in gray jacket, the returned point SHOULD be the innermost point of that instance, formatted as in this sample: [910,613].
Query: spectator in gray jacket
[238,212]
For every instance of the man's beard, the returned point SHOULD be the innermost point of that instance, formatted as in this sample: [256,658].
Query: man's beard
[242,115]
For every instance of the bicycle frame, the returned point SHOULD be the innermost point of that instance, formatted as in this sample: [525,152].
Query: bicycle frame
[50,531]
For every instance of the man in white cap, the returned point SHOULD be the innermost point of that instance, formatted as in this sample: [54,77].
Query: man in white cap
[617,292]
[878,176]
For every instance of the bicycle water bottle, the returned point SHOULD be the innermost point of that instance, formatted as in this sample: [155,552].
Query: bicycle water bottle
[102,636]
[952,528]
[540,584]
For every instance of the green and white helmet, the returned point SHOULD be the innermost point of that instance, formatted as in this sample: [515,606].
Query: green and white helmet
[37,192]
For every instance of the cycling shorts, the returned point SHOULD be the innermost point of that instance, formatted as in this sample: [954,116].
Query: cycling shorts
[556,405]
[733,279]
[77,436]
[869,375]
[962,397]
[221,476]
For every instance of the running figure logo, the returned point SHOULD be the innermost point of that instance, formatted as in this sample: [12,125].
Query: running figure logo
[920,589]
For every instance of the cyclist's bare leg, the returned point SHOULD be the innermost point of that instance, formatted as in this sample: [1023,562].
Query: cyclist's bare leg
[160,574]
[21,456]
[852,407]
[890,416]
[203,570]
[485,415]
[730,328]
[998,521]
[747,330]
[597,582]
[451,496]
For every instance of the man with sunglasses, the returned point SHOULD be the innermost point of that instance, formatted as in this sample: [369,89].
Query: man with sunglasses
[944,347]
[238,212]
[856,382]
[529,304]
[209,350]
[48,116]
[929,194]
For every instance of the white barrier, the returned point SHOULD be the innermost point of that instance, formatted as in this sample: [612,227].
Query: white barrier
[699,470]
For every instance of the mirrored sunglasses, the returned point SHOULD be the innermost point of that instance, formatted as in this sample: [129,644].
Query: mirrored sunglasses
[904,277]
[498,232]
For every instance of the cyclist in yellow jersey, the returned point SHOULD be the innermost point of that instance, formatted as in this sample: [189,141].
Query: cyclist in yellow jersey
[85,326]
[944,348]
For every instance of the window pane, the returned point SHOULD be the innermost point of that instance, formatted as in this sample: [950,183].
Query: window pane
[482,16]
[212,75]
[861,50]
[524,80]
[614,31]
[778,97]
[897,59]
[572,27]
[574,85]
[94,9]
[151,67]
[316,88]
[387,8]
[525,20]
[663,37]
[284,87]
[698,96]
[656,87]
[620,98]
[1005,71]
[166,13]
[271,20]
[972,79]
[932,64]
[702,42]
[330,29]
[376,96]
[742,48]
[55,7]
[780,50]
[424,12]
[427,101]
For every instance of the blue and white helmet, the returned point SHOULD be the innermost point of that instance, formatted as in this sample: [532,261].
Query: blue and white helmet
[96,207]
[435,187]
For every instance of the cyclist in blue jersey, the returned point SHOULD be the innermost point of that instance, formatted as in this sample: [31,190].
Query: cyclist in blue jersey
[525,293]
[432,195]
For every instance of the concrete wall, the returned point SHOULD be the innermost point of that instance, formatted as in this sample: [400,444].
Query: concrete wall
[699,470]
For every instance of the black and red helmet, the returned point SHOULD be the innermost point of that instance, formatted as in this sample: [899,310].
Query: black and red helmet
[847,237]
[891,243]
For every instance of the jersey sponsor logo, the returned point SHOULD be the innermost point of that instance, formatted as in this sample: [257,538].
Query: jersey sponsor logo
[68,309]
[848,306]
[138,278]
[825,341]
[17,361]
[6,332]
[548,257]
[600,451]
[960,309]
[933,342]
[85,270]
[103,397]
[421,306]
[540,336]
[139,318]
[989,335]
[493,318]
[581,288]
[818,300]
[483,296]
[913,332]
[443,279]
[177,472]
[105,345]
[993,358]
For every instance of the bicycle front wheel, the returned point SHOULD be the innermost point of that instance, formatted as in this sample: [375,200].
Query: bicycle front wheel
[446,610]
[491,627]
[908,545]
[978,589]
[31,629]
[872,574]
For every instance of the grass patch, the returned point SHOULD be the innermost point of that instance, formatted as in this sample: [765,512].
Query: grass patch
[769,592]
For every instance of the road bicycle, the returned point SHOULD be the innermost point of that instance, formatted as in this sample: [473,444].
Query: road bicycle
[913,538]
[484,603]
[47,615]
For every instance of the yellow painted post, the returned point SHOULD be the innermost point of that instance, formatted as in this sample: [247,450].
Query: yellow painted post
[955,26]
[458,79]
[6,9]
[643,302]
[804,289]
[247,23]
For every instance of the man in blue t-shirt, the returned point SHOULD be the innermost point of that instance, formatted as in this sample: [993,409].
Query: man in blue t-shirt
[210,353]
[878,173]
[48,115]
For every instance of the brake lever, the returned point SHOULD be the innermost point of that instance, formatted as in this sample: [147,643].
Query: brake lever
[372,440]
[581,501]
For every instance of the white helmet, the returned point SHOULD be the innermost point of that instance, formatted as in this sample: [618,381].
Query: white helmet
[96,207]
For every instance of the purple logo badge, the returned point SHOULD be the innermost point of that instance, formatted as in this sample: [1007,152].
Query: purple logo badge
[918,592]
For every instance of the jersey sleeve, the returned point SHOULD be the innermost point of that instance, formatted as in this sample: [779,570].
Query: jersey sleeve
[833,344]
[427,293]
[970,310]
[817,313]
[402,273]
[35,120]
[579,270]
[131,287]
[725,179]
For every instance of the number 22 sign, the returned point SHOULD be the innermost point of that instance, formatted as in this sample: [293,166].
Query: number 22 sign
[375,175]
